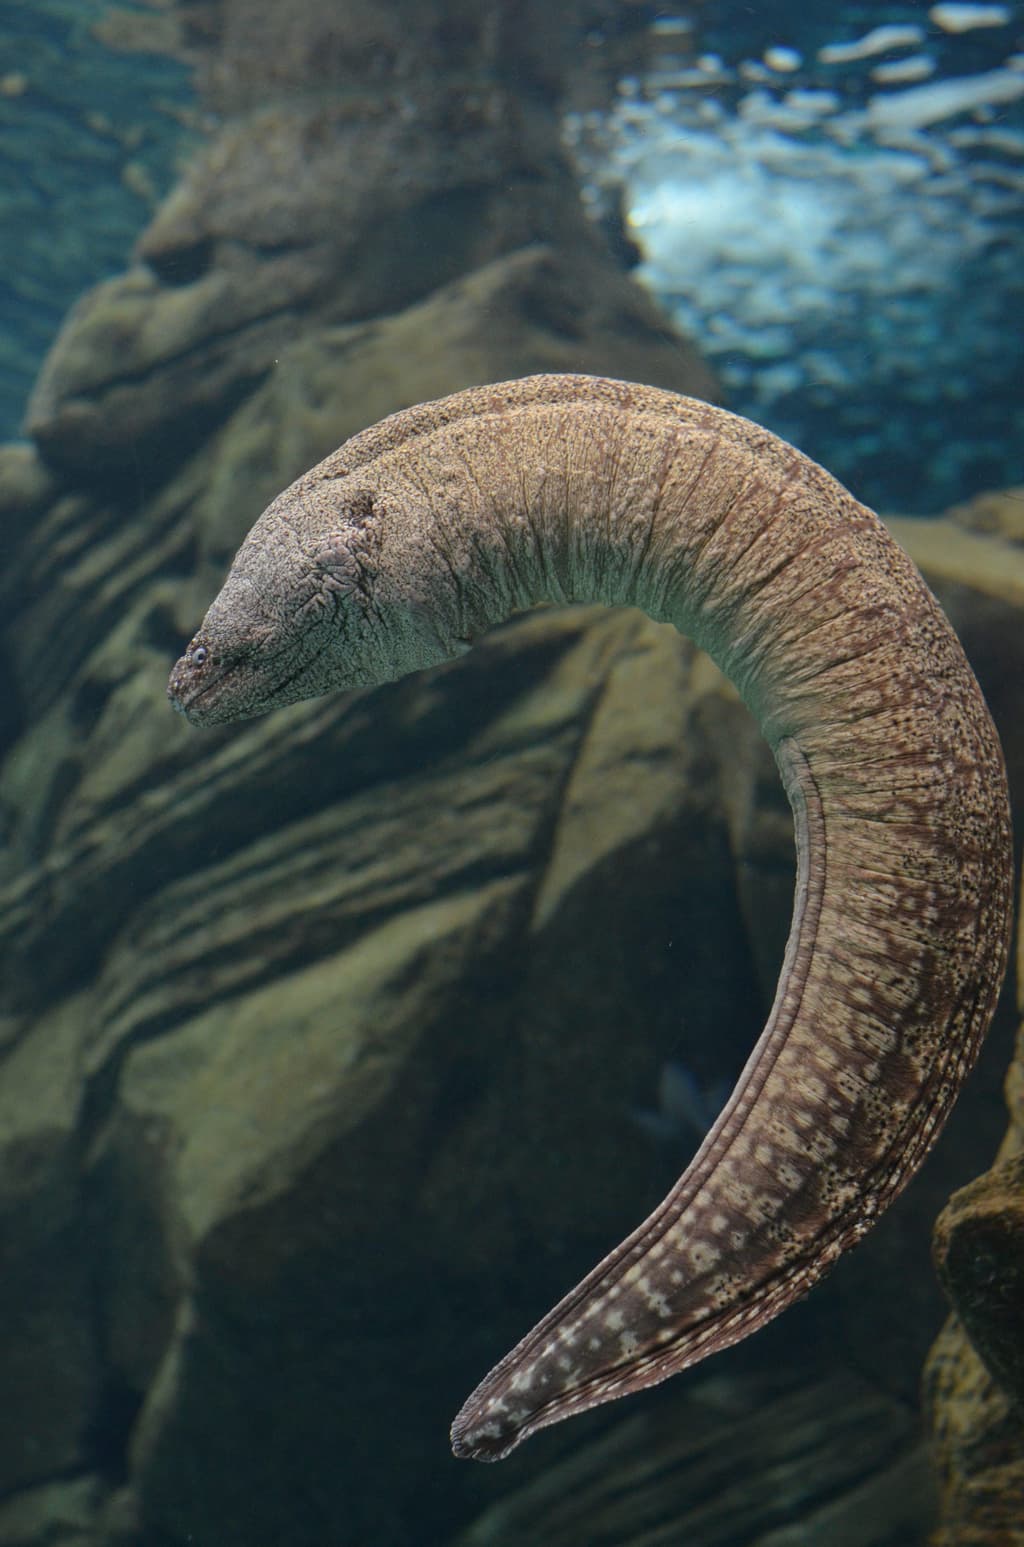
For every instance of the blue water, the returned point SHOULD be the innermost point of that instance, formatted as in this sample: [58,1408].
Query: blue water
[88,140]
[835,212]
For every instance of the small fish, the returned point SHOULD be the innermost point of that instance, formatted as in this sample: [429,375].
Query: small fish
[686,1108]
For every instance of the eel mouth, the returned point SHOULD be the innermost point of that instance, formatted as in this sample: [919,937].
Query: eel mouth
[192,688]
[209,689]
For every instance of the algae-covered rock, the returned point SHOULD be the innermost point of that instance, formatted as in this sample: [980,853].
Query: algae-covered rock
[354,998]
[316,1032]
[49,1369]
[979,1254]
[358,161]
[996,511]
[978,1447]
[64,1513]
[338,1045]
[367,990]
[725,1463]
[974,1378]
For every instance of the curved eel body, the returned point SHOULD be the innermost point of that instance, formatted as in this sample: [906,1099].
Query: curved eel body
[421,533]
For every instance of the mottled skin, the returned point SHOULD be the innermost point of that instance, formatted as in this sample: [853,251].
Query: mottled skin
[424,531]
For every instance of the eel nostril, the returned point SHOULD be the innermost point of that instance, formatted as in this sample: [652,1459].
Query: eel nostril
[180,264]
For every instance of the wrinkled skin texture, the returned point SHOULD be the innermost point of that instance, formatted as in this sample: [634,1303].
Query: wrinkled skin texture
[421,533]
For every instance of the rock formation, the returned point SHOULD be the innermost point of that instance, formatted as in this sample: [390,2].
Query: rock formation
[314,1034]
[974,1380]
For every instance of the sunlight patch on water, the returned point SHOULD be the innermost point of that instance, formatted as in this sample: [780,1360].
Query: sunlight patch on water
[841,229]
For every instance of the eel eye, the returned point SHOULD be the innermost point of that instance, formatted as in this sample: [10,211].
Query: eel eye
[199,655]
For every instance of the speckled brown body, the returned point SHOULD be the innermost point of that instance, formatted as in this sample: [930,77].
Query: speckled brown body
[424,531]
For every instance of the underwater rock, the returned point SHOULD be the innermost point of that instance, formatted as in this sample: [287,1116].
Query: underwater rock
[58,1514]
[147,364]
[974,1378]
[331,1036]
[98,729]
[999,512]
[203,954]
[338,1044]
[83,142]
[315,1036]
[49,1367]
[438,952]
[722,1464]
[422,155]
[979,1254]
[978,1444]
[975,566]
[26,485]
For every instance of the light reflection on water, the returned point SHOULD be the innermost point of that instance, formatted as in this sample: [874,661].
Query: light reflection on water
[839,225]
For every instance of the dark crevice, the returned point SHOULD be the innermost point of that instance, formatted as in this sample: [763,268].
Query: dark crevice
[13,708]
[212,343]
[313,939]
[181,265]
[110,1429]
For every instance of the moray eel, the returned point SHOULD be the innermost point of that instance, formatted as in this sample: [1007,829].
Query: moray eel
[421,533]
